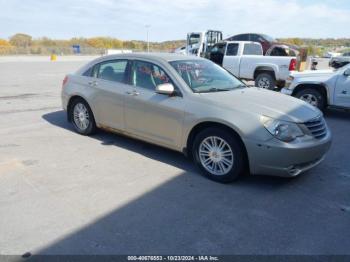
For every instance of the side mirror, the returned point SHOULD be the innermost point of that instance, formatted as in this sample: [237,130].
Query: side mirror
[165,89]
[347,72]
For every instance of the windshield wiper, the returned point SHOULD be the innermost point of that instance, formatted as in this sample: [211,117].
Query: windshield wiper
[214,89]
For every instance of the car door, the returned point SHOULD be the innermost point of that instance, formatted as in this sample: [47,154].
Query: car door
[217,53]
[342,89]
[231,59]
[251,54]
[110,85]
[154,117]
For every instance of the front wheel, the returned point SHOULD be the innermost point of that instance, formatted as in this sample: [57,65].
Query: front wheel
[219,155]
[266,81]
[312,97]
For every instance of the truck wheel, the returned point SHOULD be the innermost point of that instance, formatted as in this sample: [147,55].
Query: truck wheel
[219,155]
[266,81]
[313,97]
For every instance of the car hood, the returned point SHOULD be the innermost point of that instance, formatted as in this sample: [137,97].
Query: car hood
[314,73]
[314,76]
[341,58]
[263,102]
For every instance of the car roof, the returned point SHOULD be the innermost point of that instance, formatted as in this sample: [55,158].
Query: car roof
[152,57]
[161,57]
[240,42]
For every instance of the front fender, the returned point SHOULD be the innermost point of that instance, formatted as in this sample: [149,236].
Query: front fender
[296,87]
[235,120]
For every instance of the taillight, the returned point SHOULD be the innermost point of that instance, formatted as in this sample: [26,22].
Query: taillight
[65,80]
[293,65]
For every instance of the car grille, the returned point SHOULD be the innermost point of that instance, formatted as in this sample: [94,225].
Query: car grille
[317,127]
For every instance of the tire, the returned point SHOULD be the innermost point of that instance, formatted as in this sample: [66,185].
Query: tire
[225,172]
[266,81]
[82,117]
[313,97]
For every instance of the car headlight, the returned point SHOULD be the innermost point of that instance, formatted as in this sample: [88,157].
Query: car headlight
[289,81]
[290,78]
[282,130]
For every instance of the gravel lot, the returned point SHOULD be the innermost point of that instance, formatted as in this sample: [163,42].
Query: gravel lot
[62,193]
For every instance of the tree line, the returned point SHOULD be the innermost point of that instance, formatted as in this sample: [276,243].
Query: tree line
[25,44]
[319,46]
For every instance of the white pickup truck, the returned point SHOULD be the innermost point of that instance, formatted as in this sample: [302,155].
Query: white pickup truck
[246,61]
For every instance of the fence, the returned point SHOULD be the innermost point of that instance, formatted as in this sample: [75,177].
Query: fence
[39,50]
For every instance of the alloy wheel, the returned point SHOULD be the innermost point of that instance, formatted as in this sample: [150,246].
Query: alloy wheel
[310,98]
[81,116]
[216,155]
[264,82]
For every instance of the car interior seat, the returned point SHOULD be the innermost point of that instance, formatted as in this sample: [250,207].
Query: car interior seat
[108,74]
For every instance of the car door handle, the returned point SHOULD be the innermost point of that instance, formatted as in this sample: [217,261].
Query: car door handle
[344,92]
[92,83]
[133,93]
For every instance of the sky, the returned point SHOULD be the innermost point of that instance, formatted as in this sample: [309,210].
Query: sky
[173,19]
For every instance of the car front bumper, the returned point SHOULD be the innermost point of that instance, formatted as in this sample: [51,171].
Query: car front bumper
[64,101]
[277,158]
[286,91]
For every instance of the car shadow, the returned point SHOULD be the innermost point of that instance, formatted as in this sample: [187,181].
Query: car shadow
[339,114]
[158,153]
[188,215]
[164,155]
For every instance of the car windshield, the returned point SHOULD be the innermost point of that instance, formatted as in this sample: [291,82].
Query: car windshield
[203,76]
[194,39]
[269,38]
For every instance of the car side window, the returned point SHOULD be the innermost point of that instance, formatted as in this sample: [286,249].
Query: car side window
[256,38]
[243,37]
[218,48]
[88,72]
[232,49]
[148,75]
[114,71]
[252,49]
[253,37]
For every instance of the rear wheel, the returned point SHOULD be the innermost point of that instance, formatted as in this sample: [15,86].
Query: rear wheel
[82,117]
[219,155]
[266,81]
[313,97]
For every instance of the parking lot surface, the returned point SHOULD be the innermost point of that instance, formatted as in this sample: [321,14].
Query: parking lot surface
[63,193]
